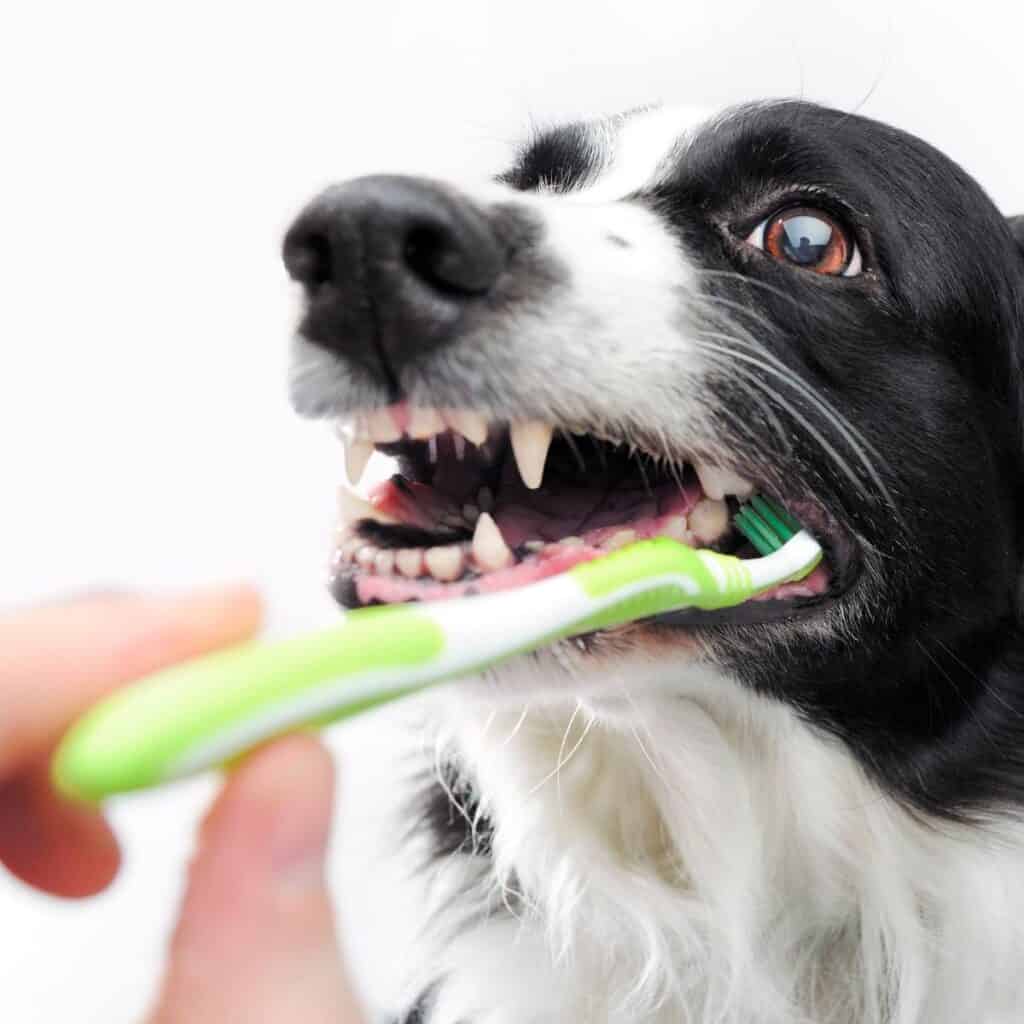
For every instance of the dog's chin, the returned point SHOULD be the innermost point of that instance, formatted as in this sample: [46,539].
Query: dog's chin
[496,508]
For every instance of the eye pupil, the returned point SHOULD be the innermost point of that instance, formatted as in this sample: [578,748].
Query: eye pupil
[811,239]
[806,239]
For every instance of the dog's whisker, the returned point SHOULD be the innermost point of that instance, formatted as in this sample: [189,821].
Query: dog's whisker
[515,729]
[854,437]
[856,444]
[798,809]
[562,760]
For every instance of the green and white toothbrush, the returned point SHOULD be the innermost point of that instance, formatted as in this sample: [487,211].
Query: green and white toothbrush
[203,713]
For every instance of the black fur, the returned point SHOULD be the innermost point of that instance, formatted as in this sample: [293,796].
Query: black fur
[923,355]
[447,809]
[561,159]
[922,673]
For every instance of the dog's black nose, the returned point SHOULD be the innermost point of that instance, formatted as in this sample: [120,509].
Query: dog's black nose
[389,264]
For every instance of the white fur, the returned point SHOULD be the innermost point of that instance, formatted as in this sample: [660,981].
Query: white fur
[635,149]
[670,847]
[694,853]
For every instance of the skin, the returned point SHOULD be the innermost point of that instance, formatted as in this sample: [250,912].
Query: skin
[255,940]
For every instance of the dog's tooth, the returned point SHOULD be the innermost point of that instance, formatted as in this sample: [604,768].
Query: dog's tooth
[471,512]
[717,483]
[445,563]
[471,425]
[572,542]
[351,508]
[384,563]
[677,528]
[708,520]
[533,546]
[459,444]
[357,455]
[424,423]
[432,450]
[531,440]
[452,520]
[619,539]
[349,548]
[485,499]
[366,556]
[489,547]
[359,427]
[381,427]
[409,562]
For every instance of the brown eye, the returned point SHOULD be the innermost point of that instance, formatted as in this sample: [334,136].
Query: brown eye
[810,239]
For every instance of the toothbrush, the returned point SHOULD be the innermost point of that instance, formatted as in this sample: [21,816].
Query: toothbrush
[202,713]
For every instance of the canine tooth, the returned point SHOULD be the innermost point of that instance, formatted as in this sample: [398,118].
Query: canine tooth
[485,499]
[709,519]
[471,425]
[432,449]
[382,427]
[409,562]
[384,563]
[531,440]
[489,547]
[619,539]
[357,455]
[358,428]
[446,563]
[351,507]
[459,444]
[572,542]
[424,423]
[366,556]
[533,546]
[717,483]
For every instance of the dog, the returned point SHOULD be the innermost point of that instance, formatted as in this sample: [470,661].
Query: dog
[804,809]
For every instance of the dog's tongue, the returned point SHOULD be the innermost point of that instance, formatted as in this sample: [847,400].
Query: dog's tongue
[552,512]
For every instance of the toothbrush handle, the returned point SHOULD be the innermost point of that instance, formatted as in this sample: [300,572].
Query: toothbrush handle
[202,713]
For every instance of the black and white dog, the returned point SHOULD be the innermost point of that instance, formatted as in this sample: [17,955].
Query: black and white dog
[807,809]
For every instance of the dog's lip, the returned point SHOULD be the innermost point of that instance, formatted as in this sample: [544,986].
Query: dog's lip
[841,555]
[841,570]
[813,514]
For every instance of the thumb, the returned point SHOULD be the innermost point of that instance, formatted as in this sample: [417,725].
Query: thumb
[255,941]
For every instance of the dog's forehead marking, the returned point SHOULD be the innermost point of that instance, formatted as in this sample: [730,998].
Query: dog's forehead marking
[640,147]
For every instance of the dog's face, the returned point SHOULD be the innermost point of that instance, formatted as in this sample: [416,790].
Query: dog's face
[650,318]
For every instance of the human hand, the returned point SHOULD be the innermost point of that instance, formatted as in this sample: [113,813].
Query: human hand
[255,940]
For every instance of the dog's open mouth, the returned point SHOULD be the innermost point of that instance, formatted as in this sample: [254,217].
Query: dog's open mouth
[479,507]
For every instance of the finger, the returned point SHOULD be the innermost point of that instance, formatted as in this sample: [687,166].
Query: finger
[256,939]
[57,660]
[48,842]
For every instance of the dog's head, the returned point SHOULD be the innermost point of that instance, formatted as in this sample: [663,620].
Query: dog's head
[642,320]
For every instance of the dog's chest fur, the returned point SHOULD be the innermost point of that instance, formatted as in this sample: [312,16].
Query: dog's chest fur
[708,857]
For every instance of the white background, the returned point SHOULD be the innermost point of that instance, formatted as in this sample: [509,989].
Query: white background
[153,155]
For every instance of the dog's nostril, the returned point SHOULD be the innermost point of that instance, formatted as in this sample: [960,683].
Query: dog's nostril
[308,258]
[445,262]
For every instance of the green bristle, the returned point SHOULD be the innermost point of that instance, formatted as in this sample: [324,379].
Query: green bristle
[766,525]
[783,524]
[756,531]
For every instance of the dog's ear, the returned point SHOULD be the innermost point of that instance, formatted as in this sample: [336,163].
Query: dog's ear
[1017,227]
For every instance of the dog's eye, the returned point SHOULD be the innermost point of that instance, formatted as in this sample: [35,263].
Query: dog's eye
[810,239]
